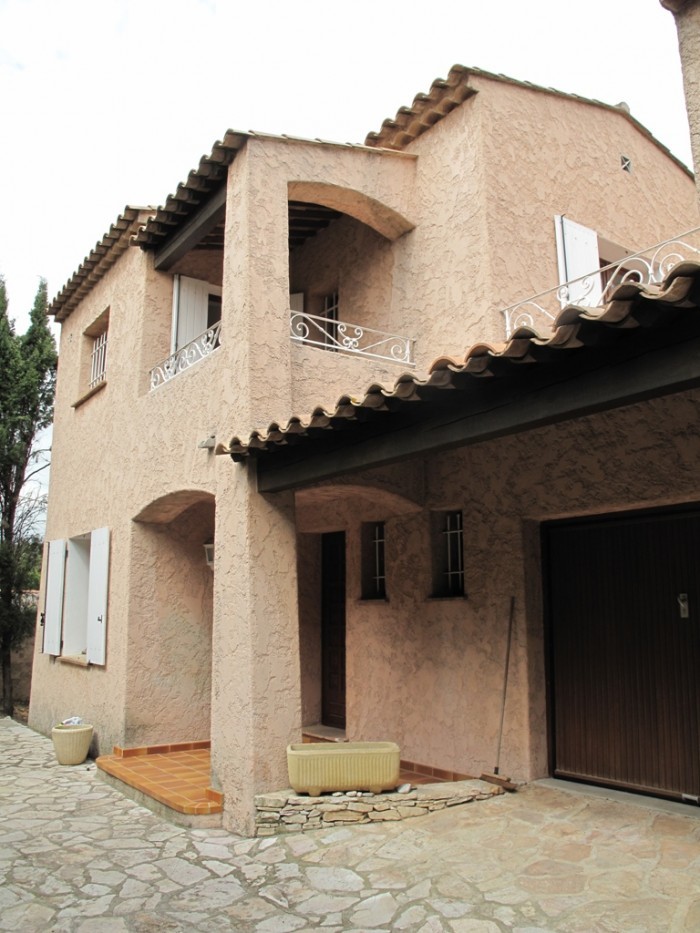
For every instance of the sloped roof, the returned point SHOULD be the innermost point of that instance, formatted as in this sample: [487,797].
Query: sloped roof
[447,93]
[99,260]
[632,306]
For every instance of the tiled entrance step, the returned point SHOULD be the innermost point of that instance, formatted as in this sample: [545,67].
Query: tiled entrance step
[176,776]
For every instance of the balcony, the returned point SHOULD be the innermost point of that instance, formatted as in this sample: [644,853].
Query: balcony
[341,337]
[649,267]
[192,353]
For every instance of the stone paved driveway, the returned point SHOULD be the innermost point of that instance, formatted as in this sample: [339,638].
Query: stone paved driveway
[77,855]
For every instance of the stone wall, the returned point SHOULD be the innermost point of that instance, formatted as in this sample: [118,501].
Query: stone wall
[287,812]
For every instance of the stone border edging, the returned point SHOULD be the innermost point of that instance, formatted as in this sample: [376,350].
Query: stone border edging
[288,812]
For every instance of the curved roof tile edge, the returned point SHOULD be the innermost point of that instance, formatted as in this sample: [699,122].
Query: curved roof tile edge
[428,109]
[477,360]
[99,260]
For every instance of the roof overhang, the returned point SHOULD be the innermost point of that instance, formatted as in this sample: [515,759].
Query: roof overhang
[641,347]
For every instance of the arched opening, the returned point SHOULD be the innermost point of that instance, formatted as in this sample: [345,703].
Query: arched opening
[170,621]
[342,247]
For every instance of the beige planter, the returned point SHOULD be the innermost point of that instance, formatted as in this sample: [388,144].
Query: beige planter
[71,743]
[330,766]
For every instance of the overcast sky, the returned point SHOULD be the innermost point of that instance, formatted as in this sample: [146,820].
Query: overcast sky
[111,102]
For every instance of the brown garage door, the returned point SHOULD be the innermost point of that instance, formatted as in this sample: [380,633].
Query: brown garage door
[624,637]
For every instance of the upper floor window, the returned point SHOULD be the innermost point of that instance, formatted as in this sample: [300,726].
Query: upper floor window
[448,553]
[98,360]
[581,254]
[196,310]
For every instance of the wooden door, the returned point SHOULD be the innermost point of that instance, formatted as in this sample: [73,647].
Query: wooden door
[333,628]
[624,618]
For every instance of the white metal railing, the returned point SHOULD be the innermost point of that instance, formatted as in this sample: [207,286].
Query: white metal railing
[316,331]
[98,360]
[648,267]
[194,351]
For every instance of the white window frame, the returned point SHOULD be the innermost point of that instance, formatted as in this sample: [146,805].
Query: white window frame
[76,597]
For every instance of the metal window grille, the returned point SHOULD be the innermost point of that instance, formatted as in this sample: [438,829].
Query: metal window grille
[378,579]
[453,555]
[98,361]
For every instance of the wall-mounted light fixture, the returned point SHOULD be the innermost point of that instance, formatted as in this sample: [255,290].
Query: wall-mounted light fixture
[209,553]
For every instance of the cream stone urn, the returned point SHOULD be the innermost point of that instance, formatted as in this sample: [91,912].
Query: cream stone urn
[71,743]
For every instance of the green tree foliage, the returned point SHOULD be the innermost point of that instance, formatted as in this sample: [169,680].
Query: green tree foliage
[27,384]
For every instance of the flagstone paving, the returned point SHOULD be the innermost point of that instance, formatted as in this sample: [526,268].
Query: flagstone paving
[76,855]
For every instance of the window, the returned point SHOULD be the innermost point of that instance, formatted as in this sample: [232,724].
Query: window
[98,360]
[94,354]
[330,313]
[448,554]
[581,253]
[373,570]
[196,310]
[75,613]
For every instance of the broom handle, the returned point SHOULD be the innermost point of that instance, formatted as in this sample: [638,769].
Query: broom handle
[505,682]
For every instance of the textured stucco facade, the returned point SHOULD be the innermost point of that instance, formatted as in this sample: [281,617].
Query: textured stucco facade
[432,242]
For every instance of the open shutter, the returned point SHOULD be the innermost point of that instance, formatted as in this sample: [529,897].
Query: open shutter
[193,303]
[97,596]
[53,597]
[578,255]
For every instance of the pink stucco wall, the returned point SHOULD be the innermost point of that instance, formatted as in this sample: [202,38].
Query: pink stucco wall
[460,225]
[428,673]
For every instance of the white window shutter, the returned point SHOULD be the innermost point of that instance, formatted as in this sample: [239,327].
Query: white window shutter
[578,255]
[53,597]
[97,596]
[193,302]
[296,302]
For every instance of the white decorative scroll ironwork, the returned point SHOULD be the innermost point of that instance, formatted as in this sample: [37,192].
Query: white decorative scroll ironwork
[194,351]
[323,332]
[648,267]
[316,331]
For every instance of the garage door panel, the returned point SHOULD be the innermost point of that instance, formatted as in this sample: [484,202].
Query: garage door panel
[624,664]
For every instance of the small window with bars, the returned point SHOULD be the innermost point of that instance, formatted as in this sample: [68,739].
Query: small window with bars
[98,360]
[373,565]
[448,554]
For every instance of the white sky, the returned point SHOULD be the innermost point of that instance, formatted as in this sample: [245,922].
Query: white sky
[111,102]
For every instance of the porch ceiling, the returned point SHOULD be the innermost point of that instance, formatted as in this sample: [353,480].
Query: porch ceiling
[644,343]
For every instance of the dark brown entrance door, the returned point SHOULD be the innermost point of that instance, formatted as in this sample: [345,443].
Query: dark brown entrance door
[624,614]
[333,628]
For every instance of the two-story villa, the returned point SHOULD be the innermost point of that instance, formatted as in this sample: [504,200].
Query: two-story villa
[357,569]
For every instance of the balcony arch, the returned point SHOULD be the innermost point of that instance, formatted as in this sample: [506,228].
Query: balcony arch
[386,221]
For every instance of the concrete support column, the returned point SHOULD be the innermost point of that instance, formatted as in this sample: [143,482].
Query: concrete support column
[256,697]
[256,693]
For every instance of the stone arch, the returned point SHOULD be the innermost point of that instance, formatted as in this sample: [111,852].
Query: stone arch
[166,508]
[317,507]
[375,214]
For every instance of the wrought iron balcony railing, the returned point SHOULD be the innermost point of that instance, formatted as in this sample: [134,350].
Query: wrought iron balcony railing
[648,267]
[194,351]
[342,337]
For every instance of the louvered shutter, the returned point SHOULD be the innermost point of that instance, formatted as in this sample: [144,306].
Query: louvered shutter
[578,255]
[53,597]
[97,596]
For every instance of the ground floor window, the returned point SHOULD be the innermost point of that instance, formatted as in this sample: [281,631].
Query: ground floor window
[75,612]
[448,554]
[373,565]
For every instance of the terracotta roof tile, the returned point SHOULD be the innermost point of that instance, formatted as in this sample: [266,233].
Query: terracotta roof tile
[101,258]
[632,306]
[446,94]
